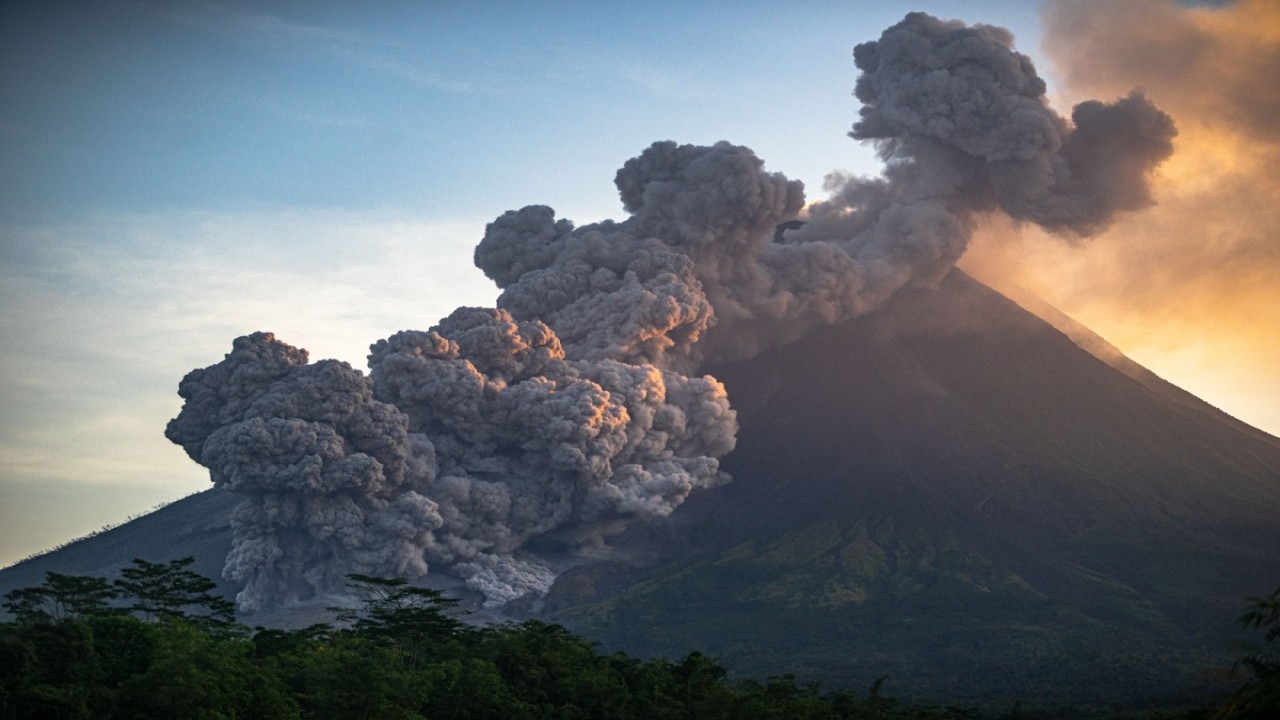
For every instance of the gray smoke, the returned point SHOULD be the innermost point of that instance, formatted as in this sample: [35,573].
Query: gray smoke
[571,409]
[964,128]
[466,441]
[531,444]
[332,479]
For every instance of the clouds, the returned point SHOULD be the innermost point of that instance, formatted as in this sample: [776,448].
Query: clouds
[463,443]
[174,175]
[964,128]
[325,468]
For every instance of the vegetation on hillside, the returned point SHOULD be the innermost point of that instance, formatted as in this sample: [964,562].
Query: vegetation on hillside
[845,603]
[156,644]
[1259,697]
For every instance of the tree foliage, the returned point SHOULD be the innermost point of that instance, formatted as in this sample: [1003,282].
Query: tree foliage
[1259,697]
[158,644]
[415,620]
[61,597]
[169,590]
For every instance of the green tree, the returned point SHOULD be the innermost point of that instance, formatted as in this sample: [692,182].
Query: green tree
[124,647]
[193,674]
[1259,697]
[171,591]
[557,673]
[346,675]
[469,688]
[700,685]
[62,597]
[413,619]
[401,656]
[55,672]
[18,666]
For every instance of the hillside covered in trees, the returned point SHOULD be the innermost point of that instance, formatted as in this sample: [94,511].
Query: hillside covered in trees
[155,643]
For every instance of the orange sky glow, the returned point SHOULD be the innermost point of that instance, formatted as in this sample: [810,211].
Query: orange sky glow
[1189,288]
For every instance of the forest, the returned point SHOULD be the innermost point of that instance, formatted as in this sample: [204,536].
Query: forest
[156,643]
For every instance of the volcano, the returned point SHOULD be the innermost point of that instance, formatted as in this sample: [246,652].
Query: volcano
[948,491]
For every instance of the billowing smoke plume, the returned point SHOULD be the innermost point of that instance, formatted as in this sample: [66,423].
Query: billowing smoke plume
[332,478]
[964,128]
[494,437]
[531,444]
[570,409]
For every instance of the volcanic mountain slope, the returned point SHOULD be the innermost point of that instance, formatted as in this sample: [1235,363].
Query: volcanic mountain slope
[950,492]
[198,526]
[953,493]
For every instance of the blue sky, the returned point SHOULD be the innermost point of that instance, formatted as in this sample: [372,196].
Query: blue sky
[439,109]
[176,174]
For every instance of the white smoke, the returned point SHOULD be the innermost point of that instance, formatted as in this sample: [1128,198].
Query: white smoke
[571,409]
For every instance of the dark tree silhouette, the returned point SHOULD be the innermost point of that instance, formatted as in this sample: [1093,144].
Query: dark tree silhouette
[169,590]
[1259,697]
[62,597]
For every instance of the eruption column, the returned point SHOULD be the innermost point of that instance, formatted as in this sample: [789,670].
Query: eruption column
[574,407]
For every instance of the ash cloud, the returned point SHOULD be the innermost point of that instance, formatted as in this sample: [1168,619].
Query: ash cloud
[574,407]
[1206,64]
[964,127]
[530,443]
[331,478]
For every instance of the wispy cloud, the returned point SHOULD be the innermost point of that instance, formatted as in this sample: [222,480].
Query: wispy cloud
[410,73]
[661,83]
[105,316]
[375,54]
[239,25]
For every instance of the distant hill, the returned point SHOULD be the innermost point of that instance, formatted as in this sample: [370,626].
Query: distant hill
[950,492]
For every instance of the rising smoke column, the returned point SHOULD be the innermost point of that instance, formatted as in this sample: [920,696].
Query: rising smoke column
[331,477]
[570,410]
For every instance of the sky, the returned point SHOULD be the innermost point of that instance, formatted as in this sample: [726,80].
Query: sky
[177,174]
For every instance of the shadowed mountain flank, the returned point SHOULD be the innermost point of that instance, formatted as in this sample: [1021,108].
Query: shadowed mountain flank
[198,526]
[952,492]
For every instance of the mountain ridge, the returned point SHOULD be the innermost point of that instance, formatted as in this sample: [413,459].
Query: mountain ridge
[1102,349]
